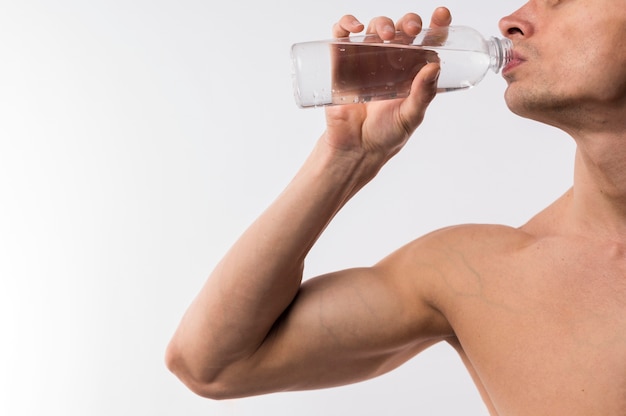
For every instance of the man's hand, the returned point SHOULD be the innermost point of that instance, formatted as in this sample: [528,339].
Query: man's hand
[378,130]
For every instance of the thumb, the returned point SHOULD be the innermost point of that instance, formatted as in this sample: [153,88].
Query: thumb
[423,91]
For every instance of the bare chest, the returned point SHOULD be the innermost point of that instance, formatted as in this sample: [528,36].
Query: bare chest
[545,337]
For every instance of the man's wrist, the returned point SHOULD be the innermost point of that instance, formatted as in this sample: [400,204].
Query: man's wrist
[353,165]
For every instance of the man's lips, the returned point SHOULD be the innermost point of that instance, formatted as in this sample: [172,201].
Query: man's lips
[516,60]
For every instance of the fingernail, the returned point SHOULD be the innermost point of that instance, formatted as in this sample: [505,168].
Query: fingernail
[433,77]
[414,25]
[389,29]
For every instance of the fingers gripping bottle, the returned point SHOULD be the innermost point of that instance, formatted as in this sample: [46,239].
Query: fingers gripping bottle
[365,68]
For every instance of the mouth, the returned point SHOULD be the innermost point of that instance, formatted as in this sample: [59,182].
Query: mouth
[516,60]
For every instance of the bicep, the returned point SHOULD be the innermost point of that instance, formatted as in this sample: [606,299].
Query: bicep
[346,327]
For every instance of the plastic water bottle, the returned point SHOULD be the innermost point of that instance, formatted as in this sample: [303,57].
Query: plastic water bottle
[364,68]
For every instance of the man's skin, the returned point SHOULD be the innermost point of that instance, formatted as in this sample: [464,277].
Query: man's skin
[537,313]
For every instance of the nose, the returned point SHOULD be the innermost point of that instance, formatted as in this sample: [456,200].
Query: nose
[515,25]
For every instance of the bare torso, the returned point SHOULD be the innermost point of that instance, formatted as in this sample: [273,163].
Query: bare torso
[539,318]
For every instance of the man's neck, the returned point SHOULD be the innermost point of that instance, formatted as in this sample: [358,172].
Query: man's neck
[598,202]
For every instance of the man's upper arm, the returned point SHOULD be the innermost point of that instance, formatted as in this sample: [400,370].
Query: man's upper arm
[347,326]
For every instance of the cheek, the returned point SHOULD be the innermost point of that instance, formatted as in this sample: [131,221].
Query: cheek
[584,71]
[609,68]
[594,63]
[601,76]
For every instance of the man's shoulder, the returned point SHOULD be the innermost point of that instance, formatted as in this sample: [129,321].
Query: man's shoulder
[478,237]
[461,250]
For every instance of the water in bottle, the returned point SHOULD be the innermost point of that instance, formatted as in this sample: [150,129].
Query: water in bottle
[359,69]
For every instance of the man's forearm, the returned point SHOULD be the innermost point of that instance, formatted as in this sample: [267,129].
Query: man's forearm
[259,277]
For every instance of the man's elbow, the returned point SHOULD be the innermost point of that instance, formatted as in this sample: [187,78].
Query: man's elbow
[204,385]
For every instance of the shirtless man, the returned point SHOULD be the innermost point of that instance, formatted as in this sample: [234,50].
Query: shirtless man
[537,313]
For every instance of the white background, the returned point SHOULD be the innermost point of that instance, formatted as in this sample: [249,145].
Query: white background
[139,138]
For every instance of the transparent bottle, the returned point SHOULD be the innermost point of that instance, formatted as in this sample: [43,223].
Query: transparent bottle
[365,68]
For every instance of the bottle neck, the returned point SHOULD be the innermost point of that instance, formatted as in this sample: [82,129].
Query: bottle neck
[500,51]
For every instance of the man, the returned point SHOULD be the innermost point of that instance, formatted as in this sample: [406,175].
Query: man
[537,313]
